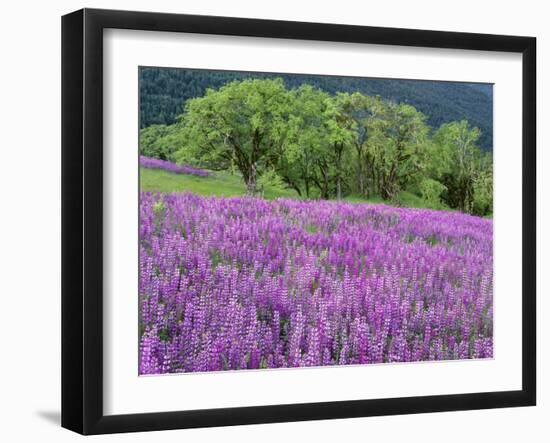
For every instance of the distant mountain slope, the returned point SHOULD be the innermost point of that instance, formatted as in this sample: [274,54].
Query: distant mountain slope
[163,92]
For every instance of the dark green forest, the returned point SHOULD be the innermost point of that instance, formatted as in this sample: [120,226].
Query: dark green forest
[164,91]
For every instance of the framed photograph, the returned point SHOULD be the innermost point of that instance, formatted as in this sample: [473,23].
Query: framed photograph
[269,221]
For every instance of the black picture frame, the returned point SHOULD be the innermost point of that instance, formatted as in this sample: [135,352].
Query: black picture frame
[82,218]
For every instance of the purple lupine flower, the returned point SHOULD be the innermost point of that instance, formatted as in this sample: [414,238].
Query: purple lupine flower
[240,282]
[156,163]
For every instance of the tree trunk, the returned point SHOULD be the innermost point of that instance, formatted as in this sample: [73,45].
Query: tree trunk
[373,189]
[339,149]
[252,183]
[360,170]
[325,185]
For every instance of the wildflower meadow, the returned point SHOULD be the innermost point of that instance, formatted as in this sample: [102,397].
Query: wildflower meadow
[246,283]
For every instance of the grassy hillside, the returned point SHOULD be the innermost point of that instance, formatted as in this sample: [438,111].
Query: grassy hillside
[219,183]
[223,183]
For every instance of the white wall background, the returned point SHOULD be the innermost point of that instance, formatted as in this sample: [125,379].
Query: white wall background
[30,219]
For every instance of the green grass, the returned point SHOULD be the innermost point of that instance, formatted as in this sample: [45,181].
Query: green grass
[219,183]
[359,199]
[226,184]
[406,198]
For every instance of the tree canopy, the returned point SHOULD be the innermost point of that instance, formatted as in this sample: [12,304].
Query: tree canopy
[242,125]
[164,92]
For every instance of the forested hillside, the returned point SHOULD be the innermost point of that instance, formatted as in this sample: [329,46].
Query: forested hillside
[326,146]
[163,93]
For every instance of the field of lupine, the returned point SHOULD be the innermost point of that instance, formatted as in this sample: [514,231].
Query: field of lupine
[241,282]
[155,163]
